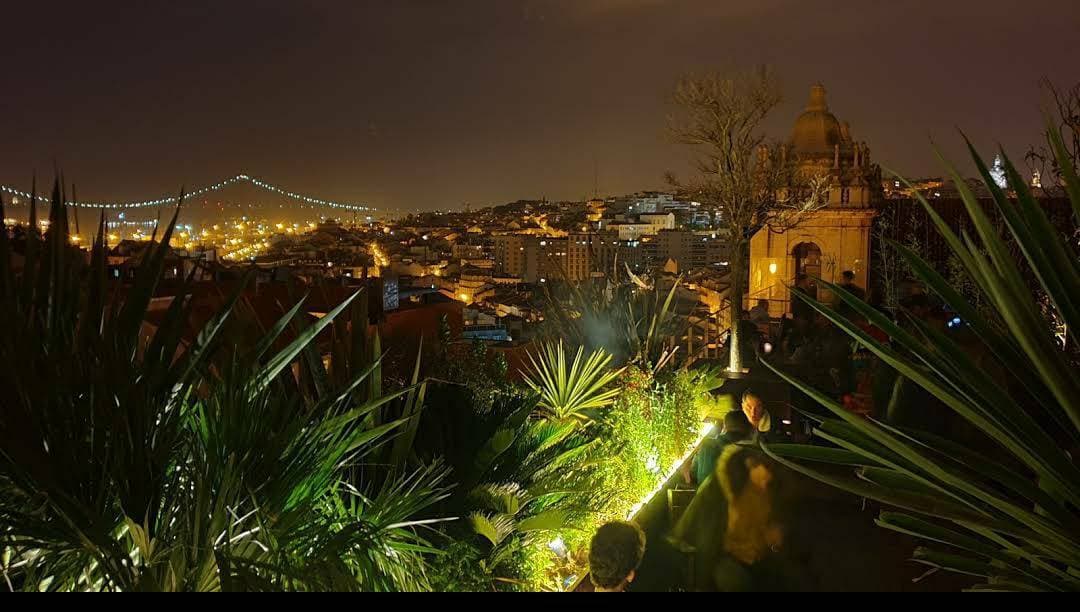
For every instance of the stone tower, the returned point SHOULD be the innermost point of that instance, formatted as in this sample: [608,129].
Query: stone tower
[833,239]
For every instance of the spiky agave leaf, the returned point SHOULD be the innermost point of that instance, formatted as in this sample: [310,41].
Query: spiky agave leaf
[1013,523]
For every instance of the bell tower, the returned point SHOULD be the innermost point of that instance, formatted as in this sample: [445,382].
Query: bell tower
[833,239]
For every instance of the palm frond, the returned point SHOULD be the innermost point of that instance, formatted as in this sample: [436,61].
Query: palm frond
[571,390]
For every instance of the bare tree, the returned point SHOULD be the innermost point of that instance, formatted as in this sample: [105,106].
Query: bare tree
[749,181]
[1063,109]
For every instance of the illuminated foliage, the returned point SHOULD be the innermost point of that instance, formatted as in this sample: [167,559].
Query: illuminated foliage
[571,390]
[652,424]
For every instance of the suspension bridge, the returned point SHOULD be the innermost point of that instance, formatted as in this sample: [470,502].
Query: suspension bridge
[201,191]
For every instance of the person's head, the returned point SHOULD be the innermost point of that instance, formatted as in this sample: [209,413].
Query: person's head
[748,467]
[849,276]
[737,427]
[761,474]
[753,408]
[802,280]
[763,303]
[615,554]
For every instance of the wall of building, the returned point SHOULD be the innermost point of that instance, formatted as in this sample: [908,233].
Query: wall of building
[658,221]
[843,236]
[634,231]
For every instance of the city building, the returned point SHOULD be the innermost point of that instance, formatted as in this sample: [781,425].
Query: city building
[550,259]
[469,251]
[649,202]
[629,231]
[535,259]
[833,239]
[590,255]
[473,285]
[658,221]
[690,250]
[531,258]
[595,209]
[518,256]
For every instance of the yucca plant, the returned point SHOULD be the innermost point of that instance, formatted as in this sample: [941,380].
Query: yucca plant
[132,460]
[650,322]
[1011,515]
[630,320]
[571,391]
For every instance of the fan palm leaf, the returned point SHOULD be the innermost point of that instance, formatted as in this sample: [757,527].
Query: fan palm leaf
[571,390]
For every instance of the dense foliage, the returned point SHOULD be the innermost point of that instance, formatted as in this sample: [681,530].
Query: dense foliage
[649,428]
[133,460]
[542,465]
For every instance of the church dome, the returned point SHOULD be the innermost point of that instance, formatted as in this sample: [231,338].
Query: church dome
[817,131]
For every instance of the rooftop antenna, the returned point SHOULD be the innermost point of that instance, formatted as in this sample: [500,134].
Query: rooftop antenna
[596,177]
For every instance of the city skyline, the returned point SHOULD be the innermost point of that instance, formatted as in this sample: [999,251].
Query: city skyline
[413,106]
[540,296]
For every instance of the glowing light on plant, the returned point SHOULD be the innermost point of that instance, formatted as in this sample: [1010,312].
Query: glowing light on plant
[706,429]
[653,463]
[558,547]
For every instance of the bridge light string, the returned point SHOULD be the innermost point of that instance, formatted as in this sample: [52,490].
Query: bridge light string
[202,191]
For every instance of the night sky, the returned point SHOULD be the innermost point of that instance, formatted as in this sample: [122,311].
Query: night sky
[416,104]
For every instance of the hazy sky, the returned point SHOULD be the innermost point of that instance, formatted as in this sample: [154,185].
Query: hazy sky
[434,103]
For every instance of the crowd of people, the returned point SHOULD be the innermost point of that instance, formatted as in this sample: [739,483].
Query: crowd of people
[807,344]
[732,528]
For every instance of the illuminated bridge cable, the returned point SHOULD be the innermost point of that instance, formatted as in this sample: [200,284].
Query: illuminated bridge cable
[305,199]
